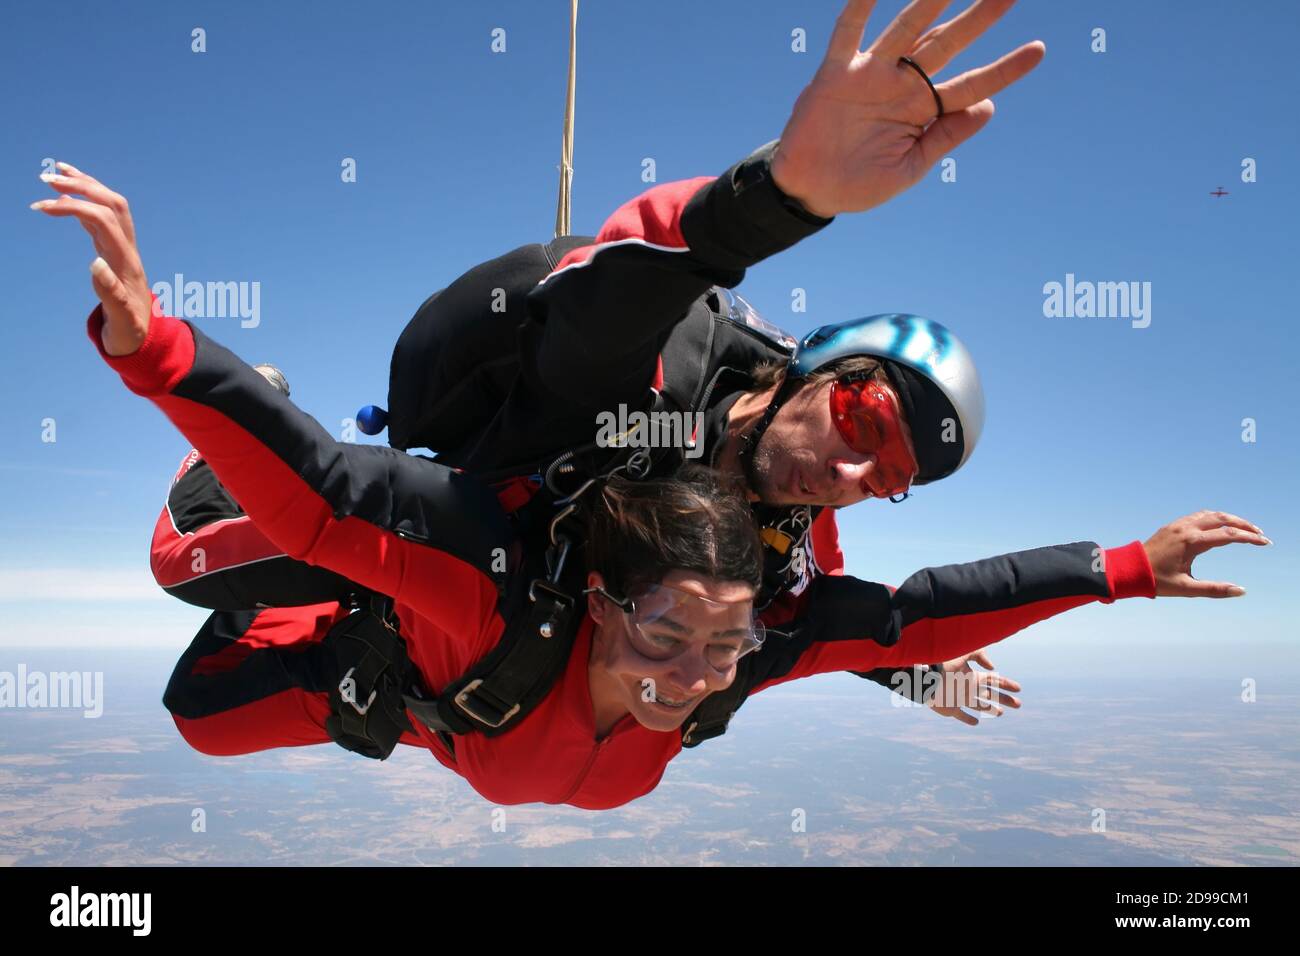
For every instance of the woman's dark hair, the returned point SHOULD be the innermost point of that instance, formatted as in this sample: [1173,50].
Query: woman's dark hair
[695,521]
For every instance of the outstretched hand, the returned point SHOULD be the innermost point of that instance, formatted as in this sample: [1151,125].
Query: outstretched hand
[116,274]
[1174,547]
[858,134]
[963,688]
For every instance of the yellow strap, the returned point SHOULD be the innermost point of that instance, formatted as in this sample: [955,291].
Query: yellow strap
[777,539]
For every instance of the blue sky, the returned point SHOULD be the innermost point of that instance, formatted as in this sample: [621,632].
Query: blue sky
[1097,164]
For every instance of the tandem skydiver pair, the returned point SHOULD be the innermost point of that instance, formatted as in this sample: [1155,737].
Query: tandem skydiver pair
[855,403]
[655,615]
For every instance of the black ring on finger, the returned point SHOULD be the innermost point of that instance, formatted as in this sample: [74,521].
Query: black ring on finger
[938,102]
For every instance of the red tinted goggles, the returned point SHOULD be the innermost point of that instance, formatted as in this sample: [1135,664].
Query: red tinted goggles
[867,418]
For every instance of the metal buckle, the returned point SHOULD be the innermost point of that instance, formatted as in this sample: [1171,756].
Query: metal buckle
[556,595]
[562,601]
[462,701]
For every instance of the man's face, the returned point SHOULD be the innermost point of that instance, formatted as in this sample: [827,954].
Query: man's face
[803,458]
[641,682]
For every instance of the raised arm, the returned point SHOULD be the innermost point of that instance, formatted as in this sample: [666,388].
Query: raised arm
[396,524]
[599,319]
[865,129]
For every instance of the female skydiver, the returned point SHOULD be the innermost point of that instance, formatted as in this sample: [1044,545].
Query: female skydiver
[667,627]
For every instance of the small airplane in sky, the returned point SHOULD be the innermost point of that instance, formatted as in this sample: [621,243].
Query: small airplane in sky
[1219,192]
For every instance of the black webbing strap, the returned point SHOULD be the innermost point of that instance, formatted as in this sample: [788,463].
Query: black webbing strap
[711,717]
[371,665]
[517,674]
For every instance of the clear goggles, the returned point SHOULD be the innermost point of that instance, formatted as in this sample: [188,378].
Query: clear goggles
[664,622]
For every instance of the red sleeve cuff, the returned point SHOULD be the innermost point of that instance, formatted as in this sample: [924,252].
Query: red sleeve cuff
[159,364]
[1128,571]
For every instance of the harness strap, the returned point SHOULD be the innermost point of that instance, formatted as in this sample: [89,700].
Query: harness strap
[513,678]
[520,670]
[750,441]
[711,717]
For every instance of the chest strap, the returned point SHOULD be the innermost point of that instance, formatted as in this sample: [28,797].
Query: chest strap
[711,718]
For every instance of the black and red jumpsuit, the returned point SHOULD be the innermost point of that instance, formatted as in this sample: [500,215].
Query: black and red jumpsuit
[427,536]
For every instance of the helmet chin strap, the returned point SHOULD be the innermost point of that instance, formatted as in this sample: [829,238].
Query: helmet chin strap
[751,439]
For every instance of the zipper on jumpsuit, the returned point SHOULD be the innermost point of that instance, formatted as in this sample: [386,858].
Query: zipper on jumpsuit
[595,752]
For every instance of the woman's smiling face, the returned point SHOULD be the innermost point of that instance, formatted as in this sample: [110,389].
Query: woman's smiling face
[661,693]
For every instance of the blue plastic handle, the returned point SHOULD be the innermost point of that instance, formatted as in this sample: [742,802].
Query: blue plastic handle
[372,419]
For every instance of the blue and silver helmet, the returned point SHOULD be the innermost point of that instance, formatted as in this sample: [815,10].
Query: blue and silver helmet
[930,369]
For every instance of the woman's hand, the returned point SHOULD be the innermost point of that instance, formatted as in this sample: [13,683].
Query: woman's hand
[117,274]
[1174,547]
[858,133]
[964,688]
